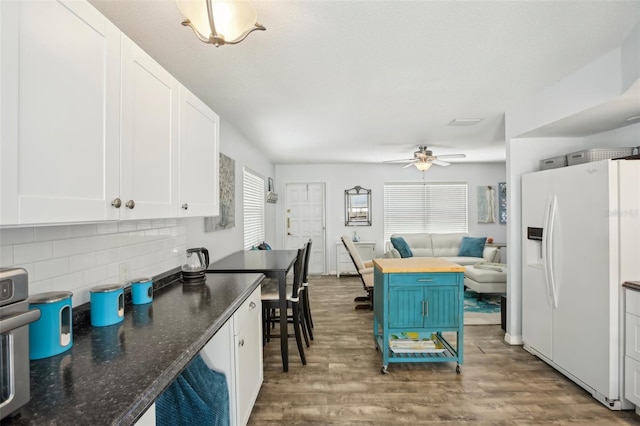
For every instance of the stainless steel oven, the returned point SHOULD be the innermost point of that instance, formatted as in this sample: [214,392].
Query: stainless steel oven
[15,318]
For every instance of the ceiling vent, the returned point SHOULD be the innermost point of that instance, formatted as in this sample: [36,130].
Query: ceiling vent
[465,121]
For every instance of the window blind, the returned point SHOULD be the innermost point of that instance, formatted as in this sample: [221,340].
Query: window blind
[253,202]
[425,207]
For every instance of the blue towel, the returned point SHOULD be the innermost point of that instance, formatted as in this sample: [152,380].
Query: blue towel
[198,396]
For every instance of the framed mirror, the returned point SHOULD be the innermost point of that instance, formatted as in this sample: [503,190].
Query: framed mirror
[357,203]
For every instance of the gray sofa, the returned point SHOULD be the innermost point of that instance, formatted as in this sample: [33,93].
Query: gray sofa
[445,246]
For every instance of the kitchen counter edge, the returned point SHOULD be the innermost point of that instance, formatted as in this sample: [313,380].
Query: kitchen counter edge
[173,306]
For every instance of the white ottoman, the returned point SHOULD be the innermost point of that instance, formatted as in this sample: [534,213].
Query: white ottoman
[486,280]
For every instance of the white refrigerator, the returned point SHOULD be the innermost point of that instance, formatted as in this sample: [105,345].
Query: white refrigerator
[581,241]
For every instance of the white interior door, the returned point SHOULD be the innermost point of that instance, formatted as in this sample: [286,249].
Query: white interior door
[304,215]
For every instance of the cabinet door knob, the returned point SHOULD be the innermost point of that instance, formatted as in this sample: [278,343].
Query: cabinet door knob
[241,343]
[116,203]
[130,204]
[185,206]
[252,305]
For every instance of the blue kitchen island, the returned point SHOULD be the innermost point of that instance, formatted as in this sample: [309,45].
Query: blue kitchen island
[416,300]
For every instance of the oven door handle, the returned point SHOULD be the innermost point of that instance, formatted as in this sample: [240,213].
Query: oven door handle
[12,322]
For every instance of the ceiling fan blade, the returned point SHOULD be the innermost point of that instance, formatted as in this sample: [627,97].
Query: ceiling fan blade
[410,164]
[399,161]
[441,163]
[452,156]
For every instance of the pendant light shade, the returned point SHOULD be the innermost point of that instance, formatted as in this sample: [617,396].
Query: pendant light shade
[220,22]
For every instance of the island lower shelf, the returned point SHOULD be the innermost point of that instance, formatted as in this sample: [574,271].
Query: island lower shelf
[446,354]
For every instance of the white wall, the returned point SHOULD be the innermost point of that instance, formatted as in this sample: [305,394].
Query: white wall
[628,136]
[223,242]
[339,177]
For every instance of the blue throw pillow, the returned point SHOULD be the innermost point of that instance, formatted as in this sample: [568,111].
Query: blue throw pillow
[401,245]
[472,247]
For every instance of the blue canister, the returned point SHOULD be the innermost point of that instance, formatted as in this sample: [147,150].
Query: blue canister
[107,305]
[52,334]
[141,291]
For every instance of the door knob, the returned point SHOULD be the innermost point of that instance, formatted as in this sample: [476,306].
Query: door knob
[185,206]
[130,204]
[241,343]
[116,203]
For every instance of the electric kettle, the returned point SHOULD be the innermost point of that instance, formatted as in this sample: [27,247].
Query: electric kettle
[197,262]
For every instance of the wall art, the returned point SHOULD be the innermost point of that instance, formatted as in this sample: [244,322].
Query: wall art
[502,202]
[487,204]
[227,179]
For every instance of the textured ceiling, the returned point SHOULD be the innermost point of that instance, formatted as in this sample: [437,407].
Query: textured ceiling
[367,81]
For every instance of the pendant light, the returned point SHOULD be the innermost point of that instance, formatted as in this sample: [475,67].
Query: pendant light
[220,22]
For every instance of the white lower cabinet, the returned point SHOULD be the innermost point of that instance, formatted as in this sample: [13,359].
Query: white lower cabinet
[236,351]
[632,347]
[148,418]
[247,322]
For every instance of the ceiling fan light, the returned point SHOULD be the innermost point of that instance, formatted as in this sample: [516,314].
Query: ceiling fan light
[423,166]
[220,22]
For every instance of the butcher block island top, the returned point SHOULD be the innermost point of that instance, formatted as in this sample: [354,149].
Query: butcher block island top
[416,264]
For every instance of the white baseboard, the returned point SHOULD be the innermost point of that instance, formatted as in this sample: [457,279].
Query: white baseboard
[512,340]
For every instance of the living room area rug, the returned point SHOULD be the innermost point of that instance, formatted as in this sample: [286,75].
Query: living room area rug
[485,311]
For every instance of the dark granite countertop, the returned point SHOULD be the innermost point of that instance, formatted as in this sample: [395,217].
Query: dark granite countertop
[112,374]
[632,285]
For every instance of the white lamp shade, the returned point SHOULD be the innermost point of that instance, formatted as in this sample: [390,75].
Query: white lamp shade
[232,18]
[423,166]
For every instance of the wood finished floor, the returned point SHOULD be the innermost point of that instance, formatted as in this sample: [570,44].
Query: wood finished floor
[341,384]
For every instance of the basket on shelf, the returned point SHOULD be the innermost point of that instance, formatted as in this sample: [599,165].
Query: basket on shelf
[597,154]
[553,162]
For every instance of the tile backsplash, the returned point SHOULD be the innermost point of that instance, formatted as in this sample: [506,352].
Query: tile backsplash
[77,257]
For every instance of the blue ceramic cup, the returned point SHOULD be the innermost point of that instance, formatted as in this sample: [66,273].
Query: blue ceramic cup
[107,305]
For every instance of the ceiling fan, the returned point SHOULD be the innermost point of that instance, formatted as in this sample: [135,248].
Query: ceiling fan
[423,159]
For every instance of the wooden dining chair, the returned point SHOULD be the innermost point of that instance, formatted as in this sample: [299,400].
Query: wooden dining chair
[271,303]
[305,296]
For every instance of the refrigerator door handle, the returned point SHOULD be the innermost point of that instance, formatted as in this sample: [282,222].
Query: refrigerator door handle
[548,252]
[543,246]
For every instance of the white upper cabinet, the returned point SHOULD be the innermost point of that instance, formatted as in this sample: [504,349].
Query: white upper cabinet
[199,157]
[149,138]
[92,128]
[59,121]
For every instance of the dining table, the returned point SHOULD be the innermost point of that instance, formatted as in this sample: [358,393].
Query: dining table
[273,264]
